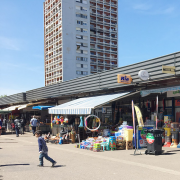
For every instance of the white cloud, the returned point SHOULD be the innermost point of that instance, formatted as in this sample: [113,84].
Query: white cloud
[153,9]
[10,43]
[169,10]
[142,7]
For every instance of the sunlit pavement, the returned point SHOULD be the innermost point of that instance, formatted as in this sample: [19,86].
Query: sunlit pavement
[19,158]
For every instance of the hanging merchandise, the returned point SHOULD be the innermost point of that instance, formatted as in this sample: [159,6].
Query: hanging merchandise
[66,120]
[81,123]
[62,120]
[94,123]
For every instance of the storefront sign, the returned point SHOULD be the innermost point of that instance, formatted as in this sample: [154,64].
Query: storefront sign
[173,93]
[168,69]
[124,78]
[103,110]
[177,102]
[143,75]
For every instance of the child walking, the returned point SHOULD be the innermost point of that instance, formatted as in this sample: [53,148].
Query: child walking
[43,149]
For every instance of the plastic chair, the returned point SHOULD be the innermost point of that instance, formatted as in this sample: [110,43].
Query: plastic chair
[105,145]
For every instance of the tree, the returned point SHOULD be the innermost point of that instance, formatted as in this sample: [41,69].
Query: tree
[3,95]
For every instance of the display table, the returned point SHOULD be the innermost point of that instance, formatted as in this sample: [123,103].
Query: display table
[44,128]
[56,129]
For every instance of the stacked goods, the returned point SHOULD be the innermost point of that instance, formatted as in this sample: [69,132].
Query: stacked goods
[167,137]
[175,134]
[96,147]
[129,145]
[129,138]
[120,144]
[54,139]
[112,142]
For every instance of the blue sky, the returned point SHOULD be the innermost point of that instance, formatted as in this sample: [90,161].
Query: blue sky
[147,29]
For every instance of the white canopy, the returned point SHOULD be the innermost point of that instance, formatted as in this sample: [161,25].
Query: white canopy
[11,108]
[85,105]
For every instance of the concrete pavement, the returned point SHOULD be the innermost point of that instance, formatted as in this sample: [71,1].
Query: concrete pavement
[19,159]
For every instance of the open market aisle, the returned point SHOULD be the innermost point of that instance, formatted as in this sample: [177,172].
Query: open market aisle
[19,160]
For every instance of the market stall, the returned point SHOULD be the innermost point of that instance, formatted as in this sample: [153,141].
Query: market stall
[81,108]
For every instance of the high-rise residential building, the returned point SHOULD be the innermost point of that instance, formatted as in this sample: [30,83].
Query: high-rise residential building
[80,38]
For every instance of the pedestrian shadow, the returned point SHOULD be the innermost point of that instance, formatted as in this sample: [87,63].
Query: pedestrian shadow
[56,166]
[14,165]
[1,177]
[8,142]
[59,166]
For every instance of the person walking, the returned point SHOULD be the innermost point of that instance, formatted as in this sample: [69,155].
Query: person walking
[0,126]
[43,149]
[22,125]
[17,123]
[34,123]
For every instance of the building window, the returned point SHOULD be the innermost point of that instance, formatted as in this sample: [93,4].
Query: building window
[78,37]
[84,59]
[84,1]
[78,65]
[78,29]
[83,9]
[85,44]
[85,66]
[85,37]
[84,23]
[85,30]
[80,1]
[81,58]
[78,7]
[85,52]
[78,72]
[78,58]
[84,16]
[84,72]
[78,51]
[78,15]
[78,22]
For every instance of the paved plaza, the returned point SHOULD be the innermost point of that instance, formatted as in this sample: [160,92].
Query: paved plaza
[19,160]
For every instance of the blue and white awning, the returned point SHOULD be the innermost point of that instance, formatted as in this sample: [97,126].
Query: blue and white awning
[85,105]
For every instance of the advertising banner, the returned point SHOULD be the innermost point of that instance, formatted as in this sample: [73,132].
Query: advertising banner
[134,125]
[139,116]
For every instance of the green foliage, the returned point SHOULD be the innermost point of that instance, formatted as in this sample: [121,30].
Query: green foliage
[3,95]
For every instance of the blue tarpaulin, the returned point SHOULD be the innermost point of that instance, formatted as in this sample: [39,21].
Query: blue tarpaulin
[41,107]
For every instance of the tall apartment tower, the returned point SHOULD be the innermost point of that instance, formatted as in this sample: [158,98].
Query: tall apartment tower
[80,38]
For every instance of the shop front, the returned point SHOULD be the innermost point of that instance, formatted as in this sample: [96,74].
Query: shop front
[110,110]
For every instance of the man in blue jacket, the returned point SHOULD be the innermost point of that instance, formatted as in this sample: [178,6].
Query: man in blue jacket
[43,149]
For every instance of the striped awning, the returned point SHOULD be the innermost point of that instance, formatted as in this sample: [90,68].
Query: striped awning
[85,105]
